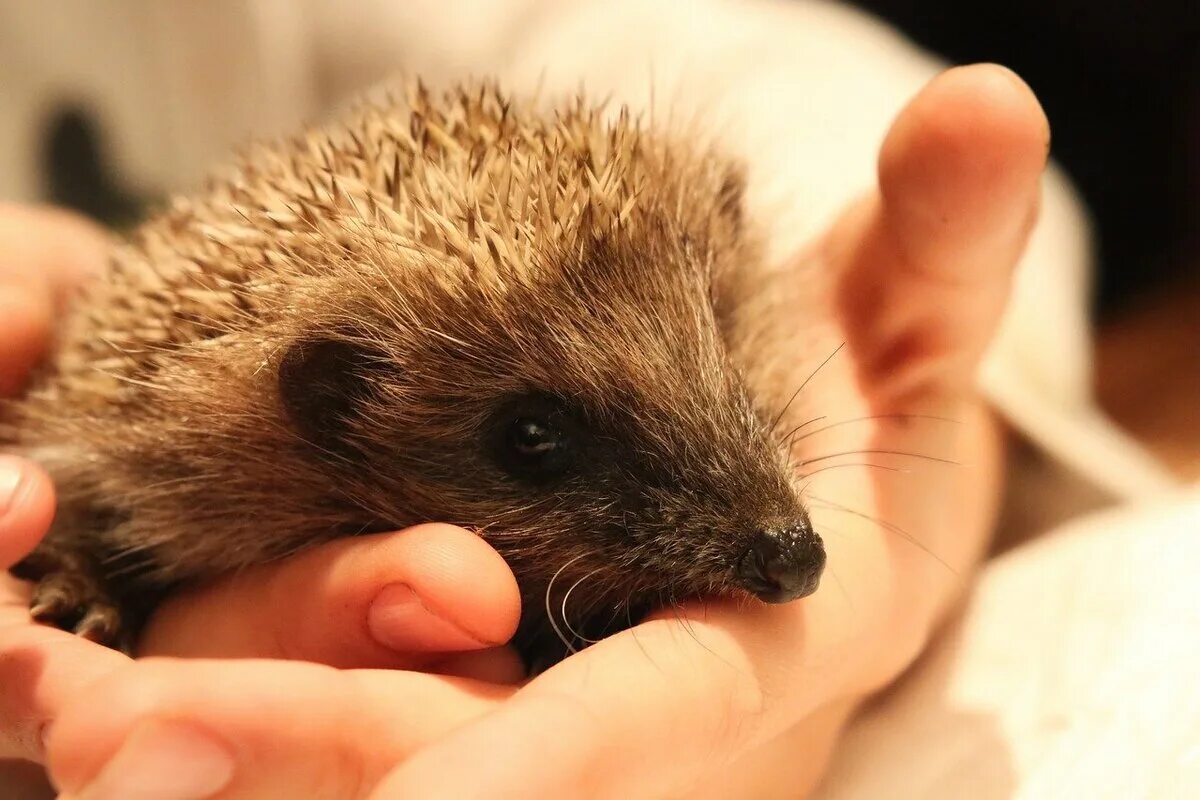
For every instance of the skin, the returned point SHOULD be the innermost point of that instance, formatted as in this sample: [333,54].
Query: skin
[714,701]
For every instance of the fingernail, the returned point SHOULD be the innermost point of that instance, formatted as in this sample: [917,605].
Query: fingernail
[12,475]
[163,761]
[398,619]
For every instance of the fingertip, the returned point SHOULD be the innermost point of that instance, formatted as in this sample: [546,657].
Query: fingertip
[1025,104]
[969,150]
[152,739]
[79,741]
[994,95]
[400,619]
[51,248]
[85,249]
[462,579]
[965,110]
[26,507]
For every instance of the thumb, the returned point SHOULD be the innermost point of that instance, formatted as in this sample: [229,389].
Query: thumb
[925,264]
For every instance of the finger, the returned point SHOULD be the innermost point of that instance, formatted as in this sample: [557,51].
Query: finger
[659,700]
[45,253]
[27,317]
[41,669]
[397,600]
[39,666]
[26,508]
[251,729]
[925,265]
[496,665]
[52,247]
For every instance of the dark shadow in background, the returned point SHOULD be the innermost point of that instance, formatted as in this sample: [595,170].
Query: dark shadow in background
[1120,81]
[77,172]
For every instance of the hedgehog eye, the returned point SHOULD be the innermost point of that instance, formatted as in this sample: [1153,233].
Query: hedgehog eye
[535,448]
[534,439]
[533,442]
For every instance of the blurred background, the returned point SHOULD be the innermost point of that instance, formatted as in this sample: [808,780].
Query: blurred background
[1120,80]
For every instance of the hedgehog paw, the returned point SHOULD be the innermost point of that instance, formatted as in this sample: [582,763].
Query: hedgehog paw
[74,601]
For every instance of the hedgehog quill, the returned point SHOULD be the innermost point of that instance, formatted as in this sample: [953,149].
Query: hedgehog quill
[440,307]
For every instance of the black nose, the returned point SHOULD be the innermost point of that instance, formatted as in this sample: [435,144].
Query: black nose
[783,563]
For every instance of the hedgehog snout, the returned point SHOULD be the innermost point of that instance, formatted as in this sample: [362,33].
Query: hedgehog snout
[783,562]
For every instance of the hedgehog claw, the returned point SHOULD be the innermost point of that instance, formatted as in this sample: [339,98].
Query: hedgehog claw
[101,624]
[75,602]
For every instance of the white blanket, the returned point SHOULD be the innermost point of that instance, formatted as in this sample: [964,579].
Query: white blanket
[1070,674]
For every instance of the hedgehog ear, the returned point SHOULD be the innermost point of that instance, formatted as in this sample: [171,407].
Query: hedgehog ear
[322,383]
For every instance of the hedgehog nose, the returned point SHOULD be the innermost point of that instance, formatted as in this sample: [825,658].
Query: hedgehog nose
[782,563]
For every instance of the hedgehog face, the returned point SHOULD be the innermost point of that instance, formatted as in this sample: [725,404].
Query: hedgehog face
[587,421]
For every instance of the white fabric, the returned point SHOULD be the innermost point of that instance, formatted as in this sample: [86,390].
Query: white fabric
[1072,674]
[1069,675]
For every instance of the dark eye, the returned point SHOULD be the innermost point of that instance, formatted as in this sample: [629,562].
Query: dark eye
[535,439]
[534,442]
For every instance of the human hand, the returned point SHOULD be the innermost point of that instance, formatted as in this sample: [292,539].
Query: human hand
[294,723]
[287,717]
[719,700]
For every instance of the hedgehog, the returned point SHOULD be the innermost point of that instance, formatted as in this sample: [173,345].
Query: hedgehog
[440,306]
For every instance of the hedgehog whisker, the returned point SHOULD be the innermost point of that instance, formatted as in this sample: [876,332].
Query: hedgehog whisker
[870,417]
[787,439]
[807,475]
[886,526]
[906,454]
[550,613]
[795,394]
[616,608]
[566,620]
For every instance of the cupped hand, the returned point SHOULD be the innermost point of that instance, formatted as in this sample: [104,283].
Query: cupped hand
[432,597]
[901,469]
[900,463]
